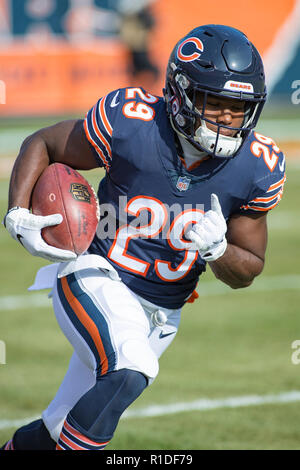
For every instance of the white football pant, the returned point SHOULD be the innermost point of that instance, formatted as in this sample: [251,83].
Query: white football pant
[109,327]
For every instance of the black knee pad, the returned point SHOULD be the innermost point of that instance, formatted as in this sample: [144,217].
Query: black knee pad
[33,436]
[97,413]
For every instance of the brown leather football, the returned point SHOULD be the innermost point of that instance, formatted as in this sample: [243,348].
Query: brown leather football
[61,189]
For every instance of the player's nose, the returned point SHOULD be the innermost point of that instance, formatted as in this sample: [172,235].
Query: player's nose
[225,117]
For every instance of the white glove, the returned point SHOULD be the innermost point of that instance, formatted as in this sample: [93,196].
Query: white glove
[209,233]
[26,228]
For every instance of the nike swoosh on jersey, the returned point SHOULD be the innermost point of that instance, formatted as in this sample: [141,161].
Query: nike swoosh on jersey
[114,101]
[281,165]
[164,335]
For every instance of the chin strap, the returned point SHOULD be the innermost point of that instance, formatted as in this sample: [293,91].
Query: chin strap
[208,139]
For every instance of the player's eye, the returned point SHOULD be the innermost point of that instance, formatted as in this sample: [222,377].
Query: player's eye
[213,106]
[238,107]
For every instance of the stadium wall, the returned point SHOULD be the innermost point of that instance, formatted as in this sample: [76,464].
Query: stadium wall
[59,56]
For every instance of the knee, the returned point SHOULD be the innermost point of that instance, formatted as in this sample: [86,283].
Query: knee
[132,383]
[97,413]
[122,386]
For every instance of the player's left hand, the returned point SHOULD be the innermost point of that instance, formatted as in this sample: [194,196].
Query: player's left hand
[209,233]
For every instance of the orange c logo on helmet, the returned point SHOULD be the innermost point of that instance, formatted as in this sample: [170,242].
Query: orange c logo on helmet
[195,55]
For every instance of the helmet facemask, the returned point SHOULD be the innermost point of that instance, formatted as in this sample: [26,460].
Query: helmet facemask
[191,123]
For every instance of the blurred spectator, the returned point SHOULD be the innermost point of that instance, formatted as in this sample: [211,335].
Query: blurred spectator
[137,22]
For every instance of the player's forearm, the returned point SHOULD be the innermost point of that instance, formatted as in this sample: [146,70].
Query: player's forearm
[33,158]
[237,267]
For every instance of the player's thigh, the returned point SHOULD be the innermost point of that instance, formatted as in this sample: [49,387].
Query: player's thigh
[104,322]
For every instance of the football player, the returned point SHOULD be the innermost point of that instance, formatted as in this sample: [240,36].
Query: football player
[191,163]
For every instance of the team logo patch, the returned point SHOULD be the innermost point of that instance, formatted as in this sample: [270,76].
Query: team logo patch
[239,86]
[186,53]
[80,192]
[183,183]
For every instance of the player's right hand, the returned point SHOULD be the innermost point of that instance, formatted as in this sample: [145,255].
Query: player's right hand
[26,227]
[208,234]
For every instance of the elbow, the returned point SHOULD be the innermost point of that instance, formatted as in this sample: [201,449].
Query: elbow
[35,135]
[38,142]
[235,282]
[35,139]
[241,277]
[243,282]
[240,284]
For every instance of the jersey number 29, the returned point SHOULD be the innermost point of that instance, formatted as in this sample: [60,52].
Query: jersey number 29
[174,238]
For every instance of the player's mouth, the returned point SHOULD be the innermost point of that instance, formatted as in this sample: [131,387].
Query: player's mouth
[222,130]
[227,132]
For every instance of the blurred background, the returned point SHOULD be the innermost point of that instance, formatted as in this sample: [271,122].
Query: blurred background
[57,57]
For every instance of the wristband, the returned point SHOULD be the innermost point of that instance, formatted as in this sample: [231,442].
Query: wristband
[10,210]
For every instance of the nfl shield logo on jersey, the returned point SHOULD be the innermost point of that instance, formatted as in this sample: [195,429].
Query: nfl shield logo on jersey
[183,183]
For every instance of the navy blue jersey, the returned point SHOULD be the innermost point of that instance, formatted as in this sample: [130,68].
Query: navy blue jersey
[148,198]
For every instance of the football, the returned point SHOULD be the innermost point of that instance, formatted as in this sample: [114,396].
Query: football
[60,189]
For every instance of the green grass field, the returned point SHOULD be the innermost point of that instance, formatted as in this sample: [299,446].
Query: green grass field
[230,344]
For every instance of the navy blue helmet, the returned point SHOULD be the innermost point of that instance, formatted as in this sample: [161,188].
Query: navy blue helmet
[214,60]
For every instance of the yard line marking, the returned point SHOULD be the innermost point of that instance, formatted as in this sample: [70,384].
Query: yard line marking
[266,284]
[205,289]
[16,423]
[283,221]
[15,302]
[204,404]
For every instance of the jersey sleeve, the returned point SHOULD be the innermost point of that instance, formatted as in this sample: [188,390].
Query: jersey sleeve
[98,127]
[270,176]
[267,200]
